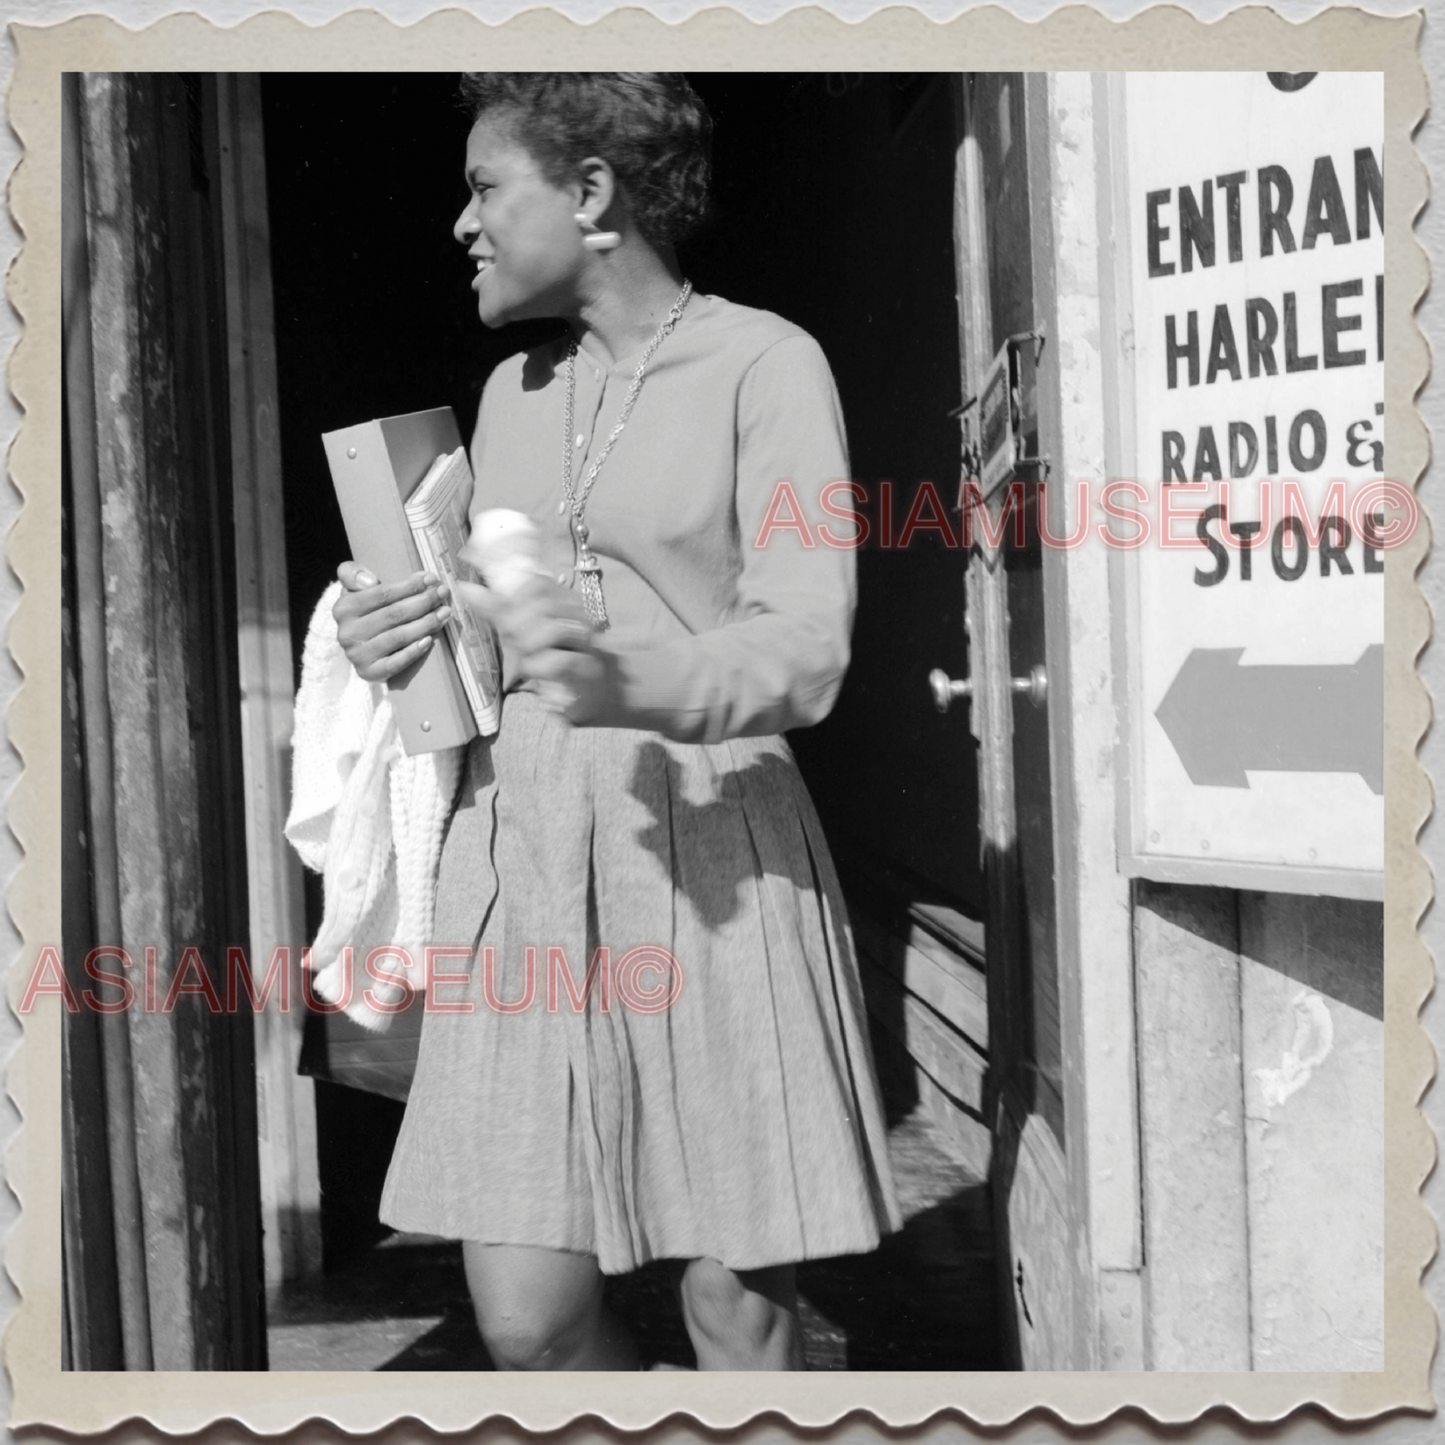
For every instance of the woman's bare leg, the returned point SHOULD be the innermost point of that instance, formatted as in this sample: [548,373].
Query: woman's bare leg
[541,1309]
[742,1320]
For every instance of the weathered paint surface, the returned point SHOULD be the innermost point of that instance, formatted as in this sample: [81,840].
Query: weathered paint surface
[137,616]
[1262,1110]
[1041,1263]
[1094,916]
[1192,1128]
[167,706]
[1314,1107]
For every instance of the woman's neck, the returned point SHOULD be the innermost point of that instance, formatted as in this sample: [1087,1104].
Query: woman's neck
[633,293]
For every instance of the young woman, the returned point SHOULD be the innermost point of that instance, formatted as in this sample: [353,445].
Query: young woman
[639,801]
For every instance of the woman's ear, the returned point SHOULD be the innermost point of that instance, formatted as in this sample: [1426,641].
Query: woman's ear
[599,191]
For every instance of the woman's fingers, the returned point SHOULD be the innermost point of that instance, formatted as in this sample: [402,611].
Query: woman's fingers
[540,615]
[386,628]
[579,685]
[545,615]
[541,634]
[367,613]
[360,596]
[382,668]
[485,604]
[540,596]
[405,611]
[353,576]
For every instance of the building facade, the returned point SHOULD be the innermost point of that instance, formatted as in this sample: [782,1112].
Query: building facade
[1105,785]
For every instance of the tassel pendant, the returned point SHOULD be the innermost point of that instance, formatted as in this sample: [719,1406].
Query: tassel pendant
[589,580]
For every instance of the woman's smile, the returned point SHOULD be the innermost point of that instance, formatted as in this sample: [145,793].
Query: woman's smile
[518,228]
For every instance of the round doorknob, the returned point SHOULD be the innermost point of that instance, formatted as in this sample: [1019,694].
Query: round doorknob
[1035,686]
[946,688]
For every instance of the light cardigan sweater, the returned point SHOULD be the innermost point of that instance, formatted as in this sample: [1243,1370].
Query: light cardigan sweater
[369,819]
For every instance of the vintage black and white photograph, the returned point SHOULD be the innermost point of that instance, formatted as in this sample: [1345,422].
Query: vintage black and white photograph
[724,721]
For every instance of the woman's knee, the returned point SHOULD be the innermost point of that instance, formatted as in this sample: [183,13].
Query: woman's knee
[536,1309]
[727,1307]
[527,1340]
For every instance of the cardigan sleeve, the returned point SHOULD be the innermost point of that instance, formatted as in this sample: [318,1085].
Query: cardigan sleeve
[331,723]
[778,659]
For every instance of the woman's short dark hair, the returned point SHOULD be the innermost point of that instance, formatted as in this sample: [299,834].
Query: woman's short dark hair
[652,129]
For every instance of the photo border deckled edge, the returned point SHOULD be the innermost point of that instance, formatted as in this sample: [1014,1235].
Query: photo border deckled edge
[1077,38]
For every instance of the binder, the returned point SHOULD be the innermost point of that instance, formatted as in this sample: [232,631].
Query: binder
[375,467]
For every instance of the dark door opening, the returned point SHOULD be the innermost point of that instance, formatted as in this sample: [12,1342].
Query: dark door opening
[835,208]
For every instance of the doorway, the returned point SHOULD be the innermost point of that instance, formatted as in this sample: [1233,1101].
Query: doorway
[835,199]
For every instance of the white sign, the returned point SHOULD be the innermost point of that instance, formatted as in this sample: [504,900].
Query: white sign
[1257,600]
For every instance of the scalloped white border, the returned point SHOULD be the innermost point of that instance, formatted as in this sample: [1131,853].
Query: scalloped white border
[1077,38]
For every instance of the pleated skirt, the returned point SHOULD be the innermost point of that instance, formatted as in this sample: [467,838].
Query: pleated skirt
[712,1092]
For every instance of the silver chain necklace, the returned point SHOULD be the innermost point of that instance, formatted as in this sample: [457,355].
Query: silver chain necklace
[589,569]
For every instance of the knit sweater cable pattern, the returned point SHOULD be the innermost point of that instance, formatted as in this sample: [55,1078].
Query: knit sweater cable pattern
[370,820]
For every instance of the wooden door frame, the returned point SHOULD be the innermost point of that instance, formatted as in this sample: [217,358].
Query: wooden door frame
[285,1102]
[158,694]
[1096,1175]
[1074,136]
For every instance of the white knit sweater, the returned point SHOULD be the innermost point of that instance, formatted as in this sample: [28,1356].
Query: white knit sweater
[369,819]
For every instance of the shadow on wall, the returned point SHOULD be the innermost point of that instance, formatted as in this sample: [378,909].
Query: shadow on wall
[1335,946]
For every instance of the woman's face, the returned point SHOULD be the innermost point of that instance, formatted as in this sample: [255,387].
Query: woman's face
[519,228]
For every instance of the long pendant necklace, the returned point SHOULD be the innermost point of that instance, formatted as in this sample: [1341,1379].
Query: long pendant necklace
[589,569]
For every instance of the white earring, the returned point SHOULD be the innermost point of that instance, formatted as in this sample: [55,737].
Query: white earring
[594,239]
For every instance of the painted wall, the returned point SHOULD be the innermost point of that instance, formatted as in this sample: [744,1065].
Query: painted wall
[1261,1110]
[1312,995]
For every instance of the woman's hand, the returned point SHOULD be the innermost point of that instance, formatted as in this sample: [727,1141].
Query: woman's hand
[547,636]
[383,630]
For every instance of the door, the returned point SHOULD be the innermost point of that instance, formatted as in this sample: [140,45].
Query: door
[895,786]
[161,1234]
[1005,488]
